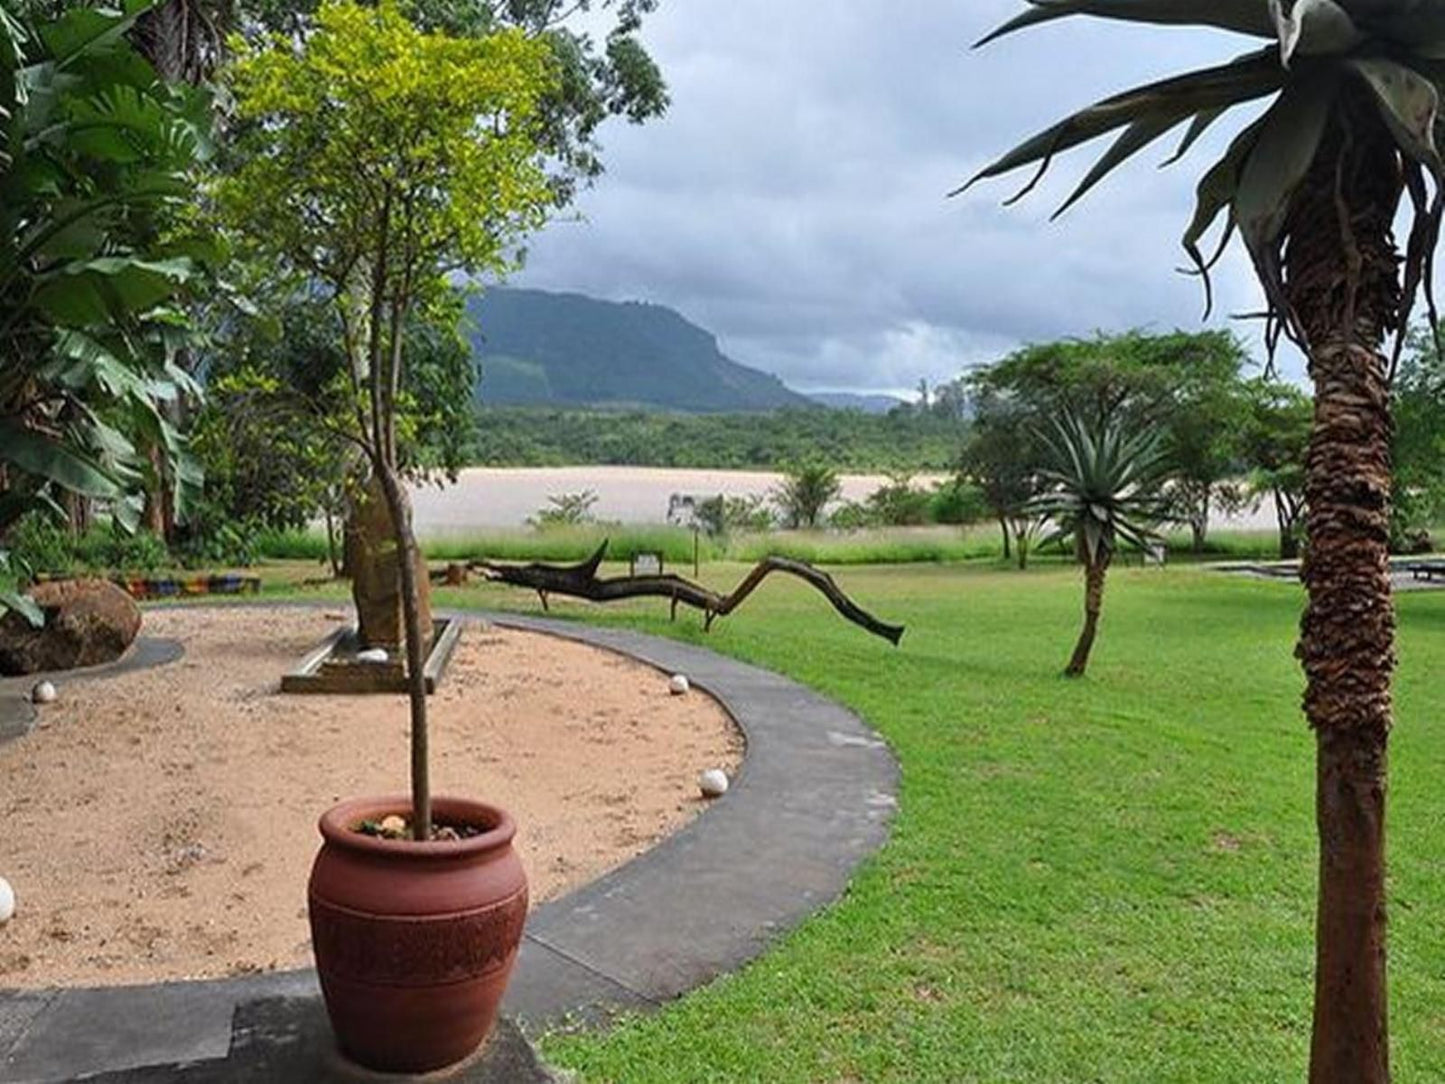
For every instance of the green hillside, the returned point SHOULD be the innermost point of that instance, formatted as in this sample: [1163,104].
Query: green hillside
[546,349]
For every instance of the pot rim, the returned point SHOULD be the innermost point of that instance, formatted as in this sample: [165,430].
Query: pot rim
[337,827]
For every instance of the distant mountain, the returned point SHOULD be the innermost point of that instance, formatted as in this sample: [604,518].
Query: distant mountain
[846,400]
[539,348]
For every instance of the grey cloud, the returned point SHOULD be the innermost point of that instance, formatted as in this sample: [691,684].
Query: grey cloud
[793,201]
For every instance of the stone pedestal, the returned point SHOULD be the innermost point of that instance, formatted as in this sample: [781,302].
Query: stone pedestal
[372,555]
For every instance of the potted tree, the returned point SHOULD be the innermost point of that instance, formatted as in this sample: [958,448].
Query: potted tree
[377,161]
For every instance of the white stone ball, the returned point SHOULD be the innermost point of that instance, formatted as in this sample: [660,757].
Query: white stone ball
[713,783]
[372,654]
[679,685]
[7,901]
[43,693]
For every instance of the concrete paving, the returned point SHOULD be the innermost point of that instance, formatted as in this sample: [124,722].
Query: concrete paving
[17,714]
[812,799]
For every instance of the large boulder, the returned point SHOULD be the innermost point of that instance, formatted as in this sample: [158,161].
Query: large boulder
[87,623]
[372,555]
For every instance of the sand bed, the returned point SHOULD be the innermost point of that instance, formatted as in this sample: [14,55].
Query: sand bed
[161,824]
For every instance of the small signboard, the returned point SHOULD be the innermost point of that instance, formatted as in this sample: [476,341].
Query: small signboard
[647,564]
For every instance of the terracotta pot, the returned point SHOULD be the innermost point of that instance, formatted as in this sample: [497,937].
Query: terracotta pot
[414,942]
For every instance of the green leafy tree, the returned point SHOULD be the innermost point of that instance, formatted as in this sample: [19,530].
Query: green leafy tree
[1001,457]
[1274,441]
[1102,490]
[376,160]
[1313,186]
[1202,433]
[293,348]
[1418,446]
[603,68]
[805,493]
[98,157]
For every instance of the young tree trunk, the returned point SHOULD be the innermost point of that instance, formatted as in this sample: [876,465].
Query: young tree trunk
[1199,523]
[400,510]
[1288,539]
[1021,546]
[1093,602]
[1003,525]
[333,557]
[1342,281]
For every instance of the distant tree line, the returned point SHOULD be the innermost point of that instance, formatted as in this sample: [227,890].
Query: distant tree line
[847,440]
[1231,438]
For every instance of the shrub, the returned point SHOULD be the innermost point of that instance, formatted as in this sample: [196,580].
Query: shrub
[565,510]
[805,492]
[108,548]
[42,545]
[957,501]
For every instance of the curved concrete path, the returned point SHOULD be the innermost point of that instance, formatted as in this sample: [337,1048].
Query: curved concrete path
[17,714]
[812,799]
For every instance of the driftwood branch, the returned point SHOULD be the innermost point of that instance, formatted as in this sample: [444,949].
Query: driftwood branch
[581,581]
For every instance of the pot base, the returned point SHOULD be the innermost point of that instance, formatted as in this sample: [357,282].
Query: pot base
[473,1067]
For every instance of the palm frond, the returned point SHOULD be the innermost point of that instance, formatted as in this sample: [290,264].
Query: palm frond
[1394,48]
[1241,16]
[1168,101]
[1103,485]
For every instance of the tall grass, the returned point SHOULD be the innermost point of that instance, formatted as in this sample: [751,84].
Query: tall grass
[520,544]
[886,545]
[880,546]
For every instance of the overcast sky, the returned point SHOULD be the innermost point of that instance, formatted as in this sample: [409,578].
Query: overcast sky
[793,201]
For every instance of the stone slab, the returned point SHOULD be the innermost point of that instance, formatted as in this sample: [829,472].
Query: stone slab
[288,1041]
[316,673]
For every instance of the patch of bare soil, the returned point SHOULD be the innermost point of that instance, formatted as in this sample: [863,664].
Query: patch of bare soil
[161,824]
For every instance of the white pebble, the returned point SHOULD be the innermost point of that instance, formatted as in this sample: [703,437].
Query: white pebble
[7,901]
[43,693]
[372,654]
[678,685]
[713,783]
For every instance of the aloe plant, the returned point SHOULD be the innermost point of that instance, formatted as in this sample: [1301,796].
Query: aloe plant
[1312,187]
[1101,490]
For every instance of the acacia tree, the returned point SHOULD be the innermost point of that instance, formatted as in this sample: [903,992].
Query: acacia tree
[377,161]
[1273,443]
[1313,186]
[1001,457]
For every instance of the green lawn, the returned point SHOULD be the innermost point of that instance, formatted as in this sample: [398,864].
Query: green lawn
[1107,880]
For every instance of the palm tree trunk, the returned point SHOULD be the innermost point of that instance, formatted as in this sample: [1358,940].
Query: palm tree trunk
[1341,279]
[1094,573]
